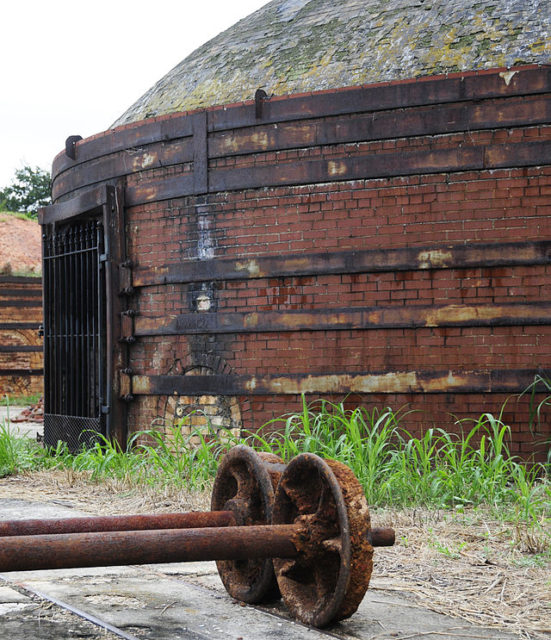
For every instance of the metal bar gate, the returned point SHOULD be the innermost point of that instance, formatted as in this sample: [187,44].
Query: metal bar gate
[75,333]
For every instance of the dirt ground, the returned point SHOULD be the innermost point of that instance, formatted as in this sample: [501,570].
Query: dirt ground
[466,565]
[20,246]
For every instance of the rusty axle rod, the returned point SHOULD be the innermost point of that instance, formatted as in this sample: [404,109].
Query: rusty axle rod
[100,549]
[376,536]
[192,520]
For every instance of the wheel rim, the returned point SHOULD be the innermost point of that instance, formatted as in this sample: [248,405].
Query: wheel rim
[330,576]
[244,485]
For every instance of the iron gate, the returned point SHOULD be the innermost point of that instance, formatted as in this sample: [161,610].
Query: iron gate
[76,391]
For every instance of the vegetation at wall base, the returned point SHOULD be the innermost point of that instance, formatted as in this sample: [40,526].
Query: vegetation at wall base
[437,470]
[18,454]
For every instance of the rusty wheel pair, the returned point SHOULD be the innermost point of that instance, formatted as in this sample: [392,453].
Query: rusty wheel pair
[330,575]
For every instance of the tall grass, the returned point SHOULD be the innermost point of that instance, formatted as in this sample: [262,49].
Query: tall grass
[541,383]
[16,454]
[437,469]
[397,468]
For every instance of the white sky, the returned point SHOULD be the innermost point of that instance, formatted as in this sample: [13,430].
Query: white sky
[72,67]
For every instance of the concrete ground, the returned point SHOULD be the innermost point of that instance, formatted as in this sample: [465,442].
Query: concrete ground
[168,602]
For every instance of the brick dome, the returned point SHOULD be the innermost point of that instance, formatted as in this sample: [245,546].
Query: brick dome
[294,46]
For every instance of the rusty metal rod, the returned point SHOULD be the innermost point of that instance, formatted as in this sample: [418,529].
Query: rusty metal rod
[101,549]
[381,536]
[192,520]
[377,537]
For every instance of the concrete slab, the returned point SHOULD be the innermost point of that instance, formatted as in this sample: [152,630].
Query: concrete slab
[174,601]
[14,509]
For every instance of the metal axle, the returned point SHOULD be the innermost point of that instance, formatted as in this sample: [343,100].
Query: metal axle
[376,536]
[192,520]
[104,549]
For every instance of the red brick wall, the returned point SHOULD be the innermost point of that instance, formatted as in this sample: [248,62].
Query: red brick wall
[470,207]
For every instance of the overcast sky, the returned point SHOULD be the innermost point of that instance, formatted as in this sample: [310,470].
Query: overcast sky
[72,67]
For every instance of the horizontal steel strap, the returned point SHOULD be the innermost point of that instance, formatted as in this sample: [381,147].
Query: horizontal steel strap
[21,372]
[364,167]
[380,317]
[495,381]
[459,256]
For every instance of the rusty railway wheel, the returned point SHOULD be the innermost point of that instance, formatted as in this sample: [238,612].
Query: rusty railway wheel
[245,485]
[329,578]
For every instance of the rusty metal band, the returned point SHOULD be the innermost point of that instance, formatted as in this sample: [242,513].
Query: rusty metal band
[372,99]
[397,95]
[25,292]
[458,256]
[18,303]
[410,382]
[19,326]
[380,317]
[381,125]
[21,280]
[88,202]
[21,372]
[338,169]
[365,127]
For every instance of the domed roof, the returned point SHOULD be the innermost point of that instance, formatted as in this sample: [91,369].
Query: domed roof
[295,46]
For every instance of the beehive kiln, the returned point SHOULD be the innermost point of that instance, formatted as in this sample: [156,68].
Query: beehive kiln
[330,198]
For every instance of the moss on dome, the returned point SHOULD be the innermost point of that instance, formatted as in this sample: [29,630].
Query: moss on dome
[291,46]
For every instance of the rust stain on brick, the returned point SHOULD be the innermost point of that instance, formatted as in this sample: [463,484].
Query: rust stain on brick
[434,259]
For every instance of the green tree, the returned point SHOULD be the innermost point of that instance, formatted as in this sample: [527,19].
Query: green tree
[29,190]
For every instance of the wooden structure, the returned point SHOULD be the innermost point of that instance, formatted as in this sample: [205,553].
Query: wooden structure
[20,342]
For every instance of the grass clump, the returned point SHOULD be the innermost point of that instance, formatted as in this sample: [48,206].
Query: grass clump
[17,454]
[152,458]
[436,470]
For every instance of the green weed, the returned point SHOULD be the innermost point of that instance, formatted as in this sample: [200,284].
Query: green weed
[17,454]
